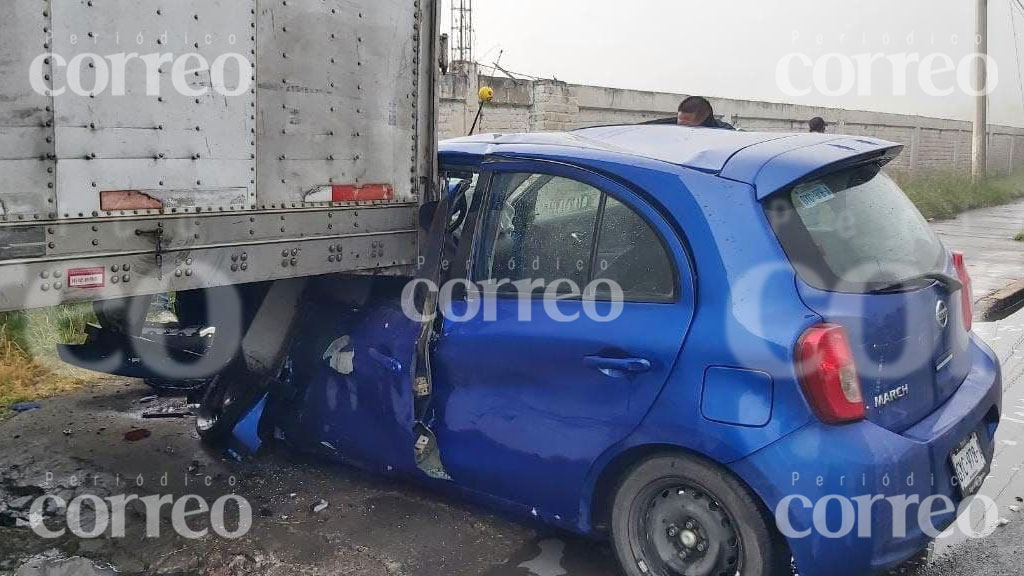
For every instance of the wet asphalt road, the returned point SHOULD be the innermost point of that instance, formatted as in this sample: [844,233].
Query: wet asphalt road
[76,445]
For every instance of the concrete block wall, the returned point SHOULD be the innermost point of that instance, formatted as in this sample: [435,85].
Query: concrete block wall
[547,106]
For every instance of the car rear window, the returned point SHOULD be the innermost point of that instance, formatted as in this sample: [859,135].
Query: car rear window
[854,231]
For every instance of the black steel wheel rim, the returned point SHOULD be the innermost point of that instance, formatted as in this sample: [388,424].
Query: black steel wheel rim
[681,530]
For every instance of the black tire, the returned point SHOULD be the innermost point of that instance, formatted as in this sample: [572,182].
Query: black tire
[228,398]
[677,515]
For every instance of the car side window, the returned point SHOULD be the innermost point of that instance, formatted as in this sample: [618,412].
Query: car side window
[631,254]
[539,227]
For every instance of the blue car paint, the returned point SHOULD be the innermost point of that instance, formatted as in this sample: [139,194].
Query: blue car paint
[547,389]
[895,355]
[360,413]
[246,432]
[549,457]
[867,459]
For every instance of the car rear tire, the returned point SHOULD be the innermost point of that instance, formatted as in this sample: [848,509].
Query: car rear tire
[676,515]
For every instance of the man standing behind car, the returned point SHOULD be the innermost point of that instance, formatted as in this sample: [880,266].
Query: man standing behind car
[817,125]
[696,111]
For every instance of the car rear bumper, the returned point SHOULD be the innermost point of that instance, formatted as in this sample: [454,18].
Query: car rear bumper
[819,470]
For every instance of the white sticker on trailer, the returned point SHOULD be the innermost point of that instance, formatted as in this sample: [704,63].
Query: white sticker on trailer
[86,278]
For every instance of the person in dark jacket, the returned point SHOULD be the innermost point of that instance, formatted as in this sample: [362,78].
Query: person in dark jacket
[696,111]
[817,125]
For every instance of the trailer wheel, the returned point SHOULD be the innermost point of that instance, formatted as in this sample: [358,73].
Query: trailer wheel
[676,515]
[228,398]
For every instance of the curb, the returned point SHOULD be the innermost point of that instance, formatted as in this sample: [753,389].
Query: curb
[1001,304]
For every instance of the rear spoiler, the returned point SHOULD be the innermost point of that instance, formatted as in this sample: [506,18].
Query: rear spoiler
[777,165]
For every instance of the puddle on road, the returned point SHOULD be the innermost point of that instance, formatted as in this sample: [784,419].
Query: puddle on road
[548,556]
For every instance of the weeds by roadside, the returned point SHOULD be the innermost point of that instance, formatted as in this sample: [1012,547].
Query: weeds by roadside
[1019,237]
[942,195]
[29,368]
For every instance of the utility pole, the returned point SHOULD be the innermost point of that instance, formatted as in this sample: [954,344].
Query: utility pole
[980,154]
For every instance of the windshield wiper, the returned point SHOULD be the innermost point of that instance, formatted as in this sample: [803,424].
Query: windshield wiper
[948,282]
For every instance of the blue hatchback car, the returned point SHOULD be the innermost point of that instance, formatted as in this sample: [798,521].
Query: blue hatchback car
[710,347]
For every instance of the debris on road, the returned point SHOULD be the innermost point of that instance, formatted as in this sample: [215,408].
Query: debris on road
[68,431]
[20,503]
[1015,509]
[319,506]
[26,406]
[148,399]
[167,414]
[137,434]
[1002,522]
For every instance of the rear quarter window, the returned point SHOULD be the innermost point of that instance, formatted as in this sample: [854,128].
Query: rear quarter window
[853,231]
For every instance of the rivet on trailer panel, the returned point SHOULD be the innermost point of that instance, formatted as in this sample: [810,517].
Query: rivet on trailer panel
[45,287]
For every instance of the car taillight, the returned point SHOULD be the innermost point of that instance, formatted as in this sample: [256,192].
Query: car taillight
[967,294]
[829,376]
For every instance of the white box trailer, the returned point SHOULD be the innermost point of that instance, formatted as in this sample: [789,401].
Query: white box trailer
[149,146]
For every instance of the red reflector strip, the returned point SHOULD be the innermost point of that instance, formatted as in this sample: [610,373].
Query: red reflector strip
[367,193]
[119,200]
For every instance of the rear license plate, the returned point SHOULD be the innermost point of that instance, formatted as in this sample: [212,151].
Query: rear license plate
[969,463]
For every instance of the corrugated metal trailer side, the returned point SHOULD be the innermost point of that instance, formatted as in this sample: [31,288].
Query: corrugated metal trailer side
[156,145]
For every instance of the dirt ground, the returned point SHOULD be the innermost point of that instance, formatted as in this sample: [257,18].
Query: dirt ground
[372,526]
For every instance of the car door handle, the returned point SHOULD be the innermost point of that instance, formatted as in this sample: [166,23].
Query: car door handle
[617,367]
[387,362]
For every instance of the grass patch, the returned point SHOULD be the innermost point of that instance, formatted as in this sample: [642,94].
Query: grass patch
[29,367]
[944,195]
[1019,237]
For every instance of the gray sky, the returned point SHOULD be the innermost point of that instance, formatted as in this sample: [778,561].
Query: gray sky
[732,48]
